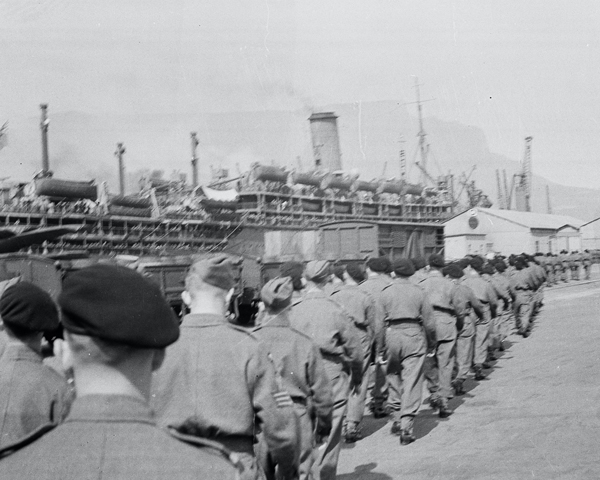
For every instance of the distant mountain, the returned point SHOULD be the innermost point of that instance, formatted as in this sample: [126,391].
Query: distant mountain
[82,147]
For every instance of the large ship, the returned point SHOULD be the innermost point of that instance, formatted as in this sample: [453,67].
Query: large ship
[258,215]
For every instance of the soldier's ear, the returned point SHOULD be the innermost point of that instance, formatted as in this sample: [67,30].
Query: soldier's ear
[186,297]
[158,358]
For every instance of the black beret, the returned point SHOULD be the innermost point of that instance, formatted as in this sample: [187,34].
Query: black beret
[488,269]
[453,271]
[338,271]
[356,271]
[476,263]
[216,271]
[380,264]
[404,268]
[277,293]
[520,264]
[437,261]
[318,270]
[464,262]
[418,263]
[294,270]
[117,304]
[28,307]
[500,266]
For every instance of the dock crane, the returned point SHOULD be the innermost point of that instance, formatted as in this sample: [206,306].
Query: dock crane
[521,182]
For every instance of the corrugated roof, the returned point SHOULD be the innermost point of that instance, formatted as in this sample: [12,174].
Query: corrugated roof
[535,220]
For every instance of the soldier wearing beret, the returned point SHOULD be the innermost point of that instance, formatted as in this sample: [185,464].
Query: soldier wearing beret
[486,295]
[465,300]
[117,325]
[409,335]
[523,286]
[329,326]
[449,317]
[586,261]
[378,277]
[505,292]
[294,270]
[299,362]
[217,382]
[420,274]
[31,394]
[361,307]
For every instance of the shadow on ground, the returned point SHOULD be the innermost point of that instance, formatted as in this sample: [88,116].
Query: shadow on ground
[364,472]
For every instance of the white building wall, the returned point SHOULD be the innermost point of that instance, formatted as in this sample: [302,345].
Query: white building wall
[462,245]
[590,236]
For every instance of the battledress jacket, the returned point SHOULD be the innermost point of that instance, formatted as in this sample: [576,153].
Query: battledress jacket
[112,437]
[219,377]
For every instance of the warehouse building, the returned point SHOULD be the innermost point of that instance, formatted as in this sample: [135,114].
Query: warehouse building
[590,235]
[485,230]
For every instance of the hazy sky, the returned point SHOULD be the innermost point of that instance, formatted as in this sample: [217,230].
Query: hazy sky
[510,67]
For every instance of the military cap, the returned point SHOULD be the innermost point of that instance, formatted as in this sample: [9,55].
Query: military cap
[488,269]
[404,267]
[117,304]
[277,293]
[464,262]
[500,266]
[216,271]
[356,272]
[418,262]
[436,261]
[476,263]
[338,271]
[318,270]
[453,271]
[380,264]
[294,270]
[27,307]
[519,263]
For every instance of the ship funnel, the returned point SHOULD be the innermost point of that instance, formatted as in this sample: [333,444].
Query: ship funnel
[325,140]
[44,122]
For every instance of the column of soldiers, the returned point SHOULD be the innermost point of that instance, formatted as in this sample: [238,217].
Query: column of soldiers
[137,393]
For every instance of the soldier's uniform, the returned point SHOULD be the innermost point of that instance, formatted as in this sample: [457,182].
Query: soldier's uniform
[410,332]
[374,285]
[218,383]
[298,360]
[575,265]
[523,286]
[31,394]
[449,317]
[114,435]
[586,261]
[361,307]
[563,259]
[325,322]
[485,294]
[466,300]
[505,312]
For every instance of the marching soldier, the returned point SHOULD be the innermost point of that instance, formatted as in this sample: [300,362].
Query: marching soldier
[449,317]
[587,263]
[523,286]
[329,326]
[378,270]
[117,325]
[299,362]
[466,301]
[575,265]
[361,307]
[485,294]
[31,394]
[410,334]
[505,293]
[217,382]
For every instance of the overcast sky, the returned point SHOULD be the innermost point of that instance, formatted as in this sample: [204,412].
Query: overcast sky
[510,67]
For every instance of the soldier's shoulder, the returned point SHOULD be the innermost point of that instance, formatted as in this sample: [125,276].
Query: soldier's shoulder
[243,332]
[27,440]
[302,336]
[209,447]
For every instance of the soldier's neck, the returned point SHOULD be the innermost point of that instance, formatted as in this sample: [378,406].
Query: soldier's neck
[208,305]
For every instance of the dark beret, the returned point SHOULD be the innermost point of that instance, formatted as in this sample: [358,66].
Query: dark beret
[418,263]
[476,263]
[519,264]
[338,271]
[28,307]
[500,266]
[437,261]
[216,271]
[404,267]
[294,270]
[380,264]
[464,262]
[453,271]
[277,293]
[488,269]
[117,304]
[356,271]
[318,270]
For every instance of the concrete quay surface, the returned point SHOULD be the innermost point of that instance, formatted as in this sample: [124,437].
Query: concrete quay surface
[537,415]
